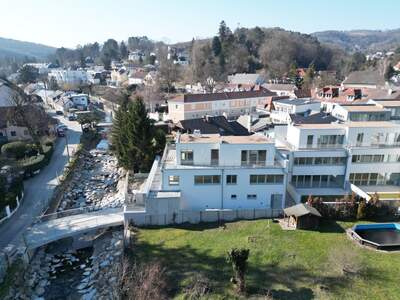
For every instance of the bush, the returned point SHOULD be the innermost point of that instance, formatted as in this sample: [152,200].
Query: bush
[14,150]
[33,164]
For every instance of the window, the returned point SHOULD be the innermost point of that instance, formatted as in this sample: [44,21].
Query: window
[360,138]
[1,134]
[310,139]
[26,132]
[173,180]
[233,197]
[187,157]
[266,179]
[231,179]
[13,133]
[251,196]
[214,157]
[207,179]
[253,157]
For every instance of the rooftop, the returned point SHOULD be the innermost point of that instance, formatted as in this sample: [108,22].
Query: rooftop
[296,101]
[189,98]
[377,124]
[388,103]
[362,108]
[216,138]
[365,77]
[301,209]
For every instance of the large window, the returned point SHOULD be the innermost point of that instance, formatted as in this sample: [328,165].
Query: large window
[319,160]
[317,181]
[266,179]
[187,157]
[173,180]
[231,179]
[367,158]
[207,179]
[325,141]
[368,179]
[253,157]
[214,157]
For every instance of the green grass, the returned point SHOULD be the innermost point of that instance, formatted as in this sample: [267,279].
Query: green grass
[292,264]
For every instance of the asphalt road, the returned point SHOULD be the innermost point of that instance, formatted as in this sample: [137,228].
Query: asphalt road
[39,189]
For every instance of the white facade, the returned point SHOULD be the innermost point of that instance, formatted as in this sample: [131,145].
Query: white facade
[220,172]
[284,108]
[326,158]
[73,77]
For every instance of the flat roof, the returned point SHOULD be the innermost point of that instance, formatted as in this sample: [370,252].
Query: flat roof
[296,101]
[388,103]
[378,124]
[361,108]
[228,139]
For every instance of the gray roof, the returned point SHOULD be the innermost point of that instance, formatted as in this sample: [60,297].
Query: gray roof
[301,209]
[295,101]
[280,86]
[365,77]
[244,78]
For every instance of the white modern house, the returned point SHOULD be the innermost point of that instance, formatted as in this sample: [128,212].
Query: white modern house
[203,173]
[361,112]
[285,107]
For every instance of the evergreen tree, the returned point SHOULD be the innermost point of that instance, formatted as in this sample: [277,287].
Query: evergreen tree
[135,140]
[123,50]
[216,46]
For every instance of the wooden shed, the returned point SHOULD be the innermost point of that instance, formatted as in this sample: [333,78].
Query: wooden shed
[302,216]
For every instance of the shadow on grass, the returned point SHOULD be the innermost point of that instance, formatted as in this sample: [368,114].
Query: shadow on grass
[283,282]
[330,226]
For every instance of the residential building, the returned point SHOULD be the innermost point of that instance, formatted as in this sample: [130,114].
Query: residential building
[364,79]
[206,172]
[330,160]
[135,56]
[361,112]
[69,77]
[246,79]
[390,104]
[283,108]
[229,104]
[282,89]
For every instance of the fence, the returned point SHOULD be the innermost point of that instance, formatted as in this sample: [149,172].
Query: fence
[141,218]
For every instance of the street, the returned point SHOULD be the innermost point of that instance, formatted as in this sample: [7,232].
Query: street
[39,189]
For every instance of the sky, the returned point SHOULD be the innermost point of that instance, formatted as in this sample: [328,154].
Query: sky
[71,22]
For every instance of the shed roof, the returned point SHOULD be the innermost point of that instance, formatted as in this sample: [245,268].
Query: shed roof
[301,209]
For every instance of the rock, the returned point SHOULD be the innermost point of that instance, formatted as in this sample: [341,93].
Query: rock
[104,263]
[90,295]
[39,290]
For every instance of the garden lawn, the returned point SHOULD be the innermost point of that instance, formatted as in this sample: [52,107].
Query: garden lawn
[290,264]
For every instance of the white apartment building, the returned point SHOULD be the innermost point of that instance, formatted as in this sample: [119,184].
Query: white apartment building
[282,109]
[213,172]
[361,112]
[229,104]
[326,159]
[393,105]
[72,77]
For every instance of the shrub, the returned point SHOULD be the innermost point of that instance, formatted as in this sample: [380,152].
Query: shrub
[238,259]
[14,150]
[362,210]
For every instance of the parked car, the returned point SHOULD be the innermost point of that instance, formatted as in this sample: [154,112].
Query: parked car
[62,127]
[72,117]
[60,133]
[59,112]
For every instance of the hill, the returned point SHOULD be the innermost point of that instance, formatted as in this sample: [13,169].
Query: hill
[19,49]
[361,40]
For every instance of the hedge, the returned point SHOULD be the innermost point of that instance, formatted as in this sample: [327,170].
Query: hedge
[9,198]
[36,163]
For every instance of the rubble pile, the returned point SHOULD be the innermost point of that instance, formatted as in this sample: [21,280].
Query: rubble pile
[94,183]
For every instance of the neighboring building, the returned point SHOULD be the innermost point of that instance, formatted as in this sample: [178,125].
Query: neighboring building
[136,77]
[206,172]
[43,68]
[390,104]
[361,112]
[212,125]
[135,56]
[282,89]
[14,129]
[285,107]
[246,79]
[69,77]
[326,158]
[364,79]
[229,104]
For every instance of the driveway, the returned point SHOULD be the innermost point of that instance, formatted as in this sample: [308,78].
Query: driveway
[39,189]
